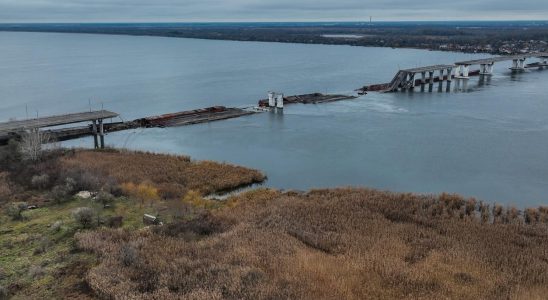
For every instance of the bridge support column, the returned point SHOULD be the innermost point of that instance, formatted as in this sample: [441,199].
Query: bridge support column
[94,131]
[486,69]
[431,77]
[441,78]
[102,133]
[458,71]
[483,69]
[449,74]
[465,72]
[518,64]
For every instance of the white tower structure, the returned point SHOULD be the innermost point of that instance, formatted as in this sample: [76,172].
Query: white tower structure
[280,101]
[271,99]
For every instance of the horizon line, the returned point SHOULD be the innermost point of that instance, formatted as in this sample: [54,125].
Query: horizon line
[270,22]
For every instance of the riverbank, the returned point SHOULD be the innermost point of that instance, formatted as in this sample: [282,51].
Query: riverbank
[259,244]
[496,38]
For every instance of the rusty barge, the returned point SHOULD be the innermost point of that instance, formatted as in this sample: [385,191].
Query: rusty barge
[314,98]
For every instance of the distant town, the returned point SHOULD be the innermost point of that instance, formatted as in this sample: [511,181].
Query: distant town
[498,38]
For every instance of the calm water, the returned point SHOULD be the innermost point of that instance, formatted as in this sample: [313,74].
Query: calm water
[490,142]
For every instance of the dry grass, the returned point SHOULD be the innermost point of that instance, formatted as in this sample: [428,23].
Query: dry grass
[173,175]
[329,244]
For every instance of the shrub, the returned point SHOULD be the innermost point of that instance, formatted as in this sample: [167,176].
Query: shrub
[85,180]
[115,222]
[203,224]
[10,155]
[470,206]
[85,216]
[104,197]
[56,227]
[484,212]
[43,245]
[512,215]
[16,209]
[62,192]
[128,255]
[36,271]
[498,212]
[531,216]
[196,200]
[40,181]
[59,193]
[143,191]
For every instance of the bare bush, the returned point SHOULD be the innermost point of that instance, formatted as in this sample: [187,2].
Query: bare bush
[32,142]
[40,181]
[85,216]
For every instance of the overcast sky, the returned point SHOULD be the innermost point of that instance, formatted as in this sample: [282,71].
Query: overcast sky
[268,10]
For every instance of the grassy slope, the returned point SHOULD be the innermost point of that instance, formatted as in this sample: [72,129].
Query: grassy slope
[38,262]
[32,246]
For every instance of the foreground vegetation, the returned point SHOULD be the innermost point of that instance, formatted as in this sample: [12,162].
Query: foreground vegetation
[327,244]
[263,244]
[41,209]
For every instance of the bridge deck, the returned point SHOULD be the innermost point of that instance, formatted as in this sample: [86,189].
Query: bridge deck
[428,68]
[500,58]
[56,120]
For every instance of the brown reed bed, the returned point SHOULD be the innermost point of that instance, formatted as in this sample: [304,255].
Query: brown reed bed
[173,175]
[329,244]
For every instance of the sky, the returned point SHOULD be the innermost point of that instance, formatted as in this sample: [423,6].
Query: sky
[268,10]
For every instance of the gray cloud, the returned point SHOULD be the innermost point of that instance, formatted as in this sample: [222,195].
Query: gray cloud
[267,10]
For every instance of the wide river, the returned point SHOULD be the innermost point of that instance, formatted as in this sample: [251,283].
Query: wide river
[490,142]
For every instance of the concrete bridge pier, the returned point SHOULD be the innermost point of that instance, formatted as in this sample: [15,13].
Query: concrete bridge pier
[412,81]
[98,132]
[518,64]
[441,78]
[430,81]
[423,80]
[462,72]
[449,79]
[486,69]
[465,72]
[95,136]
